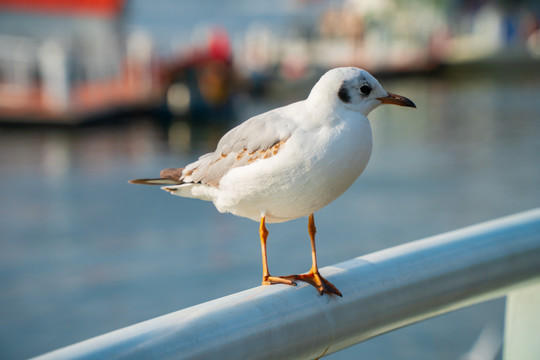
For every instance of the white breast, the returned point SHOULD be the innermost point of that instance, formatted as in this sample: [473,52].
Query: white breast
[312,169]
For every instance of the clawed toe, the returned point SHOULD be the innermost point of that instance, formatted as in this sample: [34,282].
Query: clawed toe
[317,281]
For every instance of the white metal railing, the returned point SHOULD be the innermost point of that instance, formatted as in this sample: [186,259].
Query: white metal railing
[382,291]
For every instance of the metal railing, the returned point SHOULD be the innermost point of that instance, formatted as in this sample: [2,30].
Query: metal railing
[382,291]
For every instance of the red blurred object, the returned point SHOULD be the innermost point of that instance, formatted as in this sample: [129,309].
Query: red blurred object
[101,8]
[219,45]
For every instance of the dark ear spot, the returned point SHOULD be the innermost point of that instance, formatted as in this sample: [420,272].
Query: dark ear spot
[343,94]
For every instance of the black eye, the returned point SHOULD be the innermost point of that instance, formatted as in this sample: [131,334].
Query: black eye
[365,89]
[343,94]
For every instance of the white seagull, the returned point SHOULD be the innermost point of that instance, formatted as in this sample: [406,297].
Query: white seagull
[289,162]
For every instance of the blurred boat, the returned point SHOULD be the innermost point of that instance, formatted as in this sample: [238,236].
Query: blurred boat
[70,62]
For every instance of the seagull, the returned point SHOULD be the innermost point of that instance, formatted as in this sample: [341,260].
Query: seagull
[289,162]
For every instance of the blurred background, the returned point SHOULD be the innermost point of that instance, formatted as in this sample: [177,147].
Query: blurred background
[96,92]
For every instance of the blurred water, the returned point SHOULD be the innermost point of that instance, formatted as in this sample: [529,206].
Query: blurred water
[83,252]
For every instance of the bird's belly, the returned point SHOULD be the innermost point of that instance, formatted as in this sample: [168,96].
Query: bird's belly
[289,186]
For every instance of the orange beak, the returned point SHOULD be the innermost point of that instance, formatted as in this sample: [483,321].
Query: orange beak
[396,100]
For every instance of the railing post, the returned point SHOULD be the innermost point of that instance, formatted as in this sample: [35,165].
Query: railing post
[522,324]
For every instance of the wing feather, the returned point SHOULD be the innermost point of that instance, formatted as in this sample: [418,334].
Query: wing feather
[259,137]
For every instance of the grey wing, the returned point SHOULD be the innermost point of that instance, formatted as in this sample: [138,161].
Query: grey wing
[257,138]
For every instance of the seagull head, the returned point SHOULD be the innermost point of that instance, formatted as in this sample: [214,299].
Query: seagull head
[353,89]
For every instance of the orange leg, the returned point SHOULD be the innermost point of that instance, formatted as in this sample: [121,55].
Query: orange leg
[267,279]
[313,277]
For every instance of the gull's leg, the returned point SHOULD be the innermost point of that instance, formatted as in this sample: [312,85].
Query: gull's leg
[313,277]
[267,279]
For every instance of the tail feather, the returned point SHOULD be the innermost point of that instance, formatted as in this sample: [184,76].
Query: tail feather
[170,176]
[156,181]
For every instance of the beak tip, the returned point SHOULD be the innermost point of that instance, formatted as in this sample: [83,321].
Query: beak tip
[397,100]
